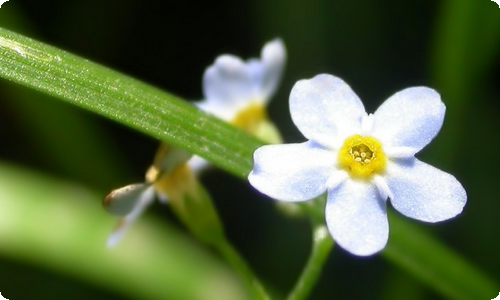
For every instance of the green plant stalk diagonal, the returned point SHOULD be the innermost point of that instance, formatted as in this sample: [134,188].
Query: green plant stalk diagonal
[322,246]
[171,120]
[123,99]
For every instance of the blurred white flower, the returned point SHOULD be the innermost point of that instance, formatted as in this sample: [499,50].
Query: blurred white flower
[232,86]
[129,202]
[238,93]
[361,160]
[235,91]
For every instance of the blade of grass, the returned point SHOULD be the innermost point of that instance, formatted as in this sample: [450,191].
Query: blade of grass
[434,264]
[38,120]
[466,48]
[123,99]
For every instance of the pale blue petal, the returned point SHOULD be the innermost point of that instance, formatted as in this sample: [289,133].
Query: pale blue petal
[124,200]
[228,82]
[273,58]
[198,164]
[356,216]
[410,118]
[292,172]
[145,199]
[226,112]
[423,192]
[326,110]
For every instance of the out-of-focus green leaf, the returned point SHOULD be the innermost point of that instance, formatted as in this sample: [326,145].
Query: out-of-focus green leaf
[436,265]
[11,16]
[467,43]
[125,100]
[57,226]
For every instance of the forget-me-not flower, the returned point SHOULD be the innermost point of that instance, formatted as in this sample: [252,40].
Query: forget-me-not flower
[238,92]
[361,160]
[235,91]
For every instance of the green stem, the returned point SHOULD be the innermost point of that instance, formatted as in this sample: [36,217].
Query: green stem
[322,245]
[239,264]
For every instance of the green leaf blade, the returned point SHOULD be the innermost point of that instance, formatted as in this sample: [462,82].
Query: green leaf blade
[58,226]
[436,265]
[125,100]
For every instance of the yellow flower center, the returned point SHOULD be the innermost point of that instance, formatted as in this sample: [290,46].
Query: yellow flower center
[362,157]
[250,118]
[176,184]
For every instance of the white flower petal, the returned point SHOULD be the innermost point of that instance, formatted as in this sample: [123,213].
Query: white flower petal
[228,82]
[357,217]
[292,172]
[273,58]
[144,200]
[220,110]
[124,200]
[198,164]
[423,192]
[326,110]
[410,118]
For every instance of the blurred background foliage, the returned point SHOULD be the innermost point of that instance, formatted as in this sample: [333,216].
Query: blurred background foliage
[379,47]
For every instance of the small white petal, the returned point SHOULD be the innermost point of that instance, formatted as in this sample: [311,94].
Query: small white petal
[273,58]
[292,172]
[218,109]
[145,199]
[382,187]
[228,82]
[124,200]
[198,164]
[117,235]
[336,179]
[357,218]
[410,118]
[168,158]
[424,192]
[326,110]
[367,125]
[400,152]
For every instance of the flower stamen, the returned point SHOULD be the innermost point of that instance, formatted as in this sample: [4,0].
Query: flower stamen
[362,157]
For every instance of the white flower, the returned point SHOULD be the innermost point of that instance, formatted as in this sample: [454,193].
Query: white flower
[129,202]
[232,86]
[235,91]
[361,160]
[238,92]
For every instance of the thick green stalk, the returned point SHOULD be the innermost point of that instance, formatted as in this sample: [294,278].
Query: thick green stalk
[322,245]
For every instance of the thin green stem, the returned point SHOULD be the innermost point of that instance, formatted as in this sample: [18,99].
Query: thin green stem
[322,245]
[239,264]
